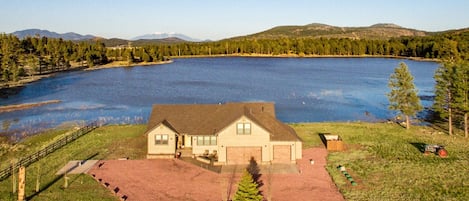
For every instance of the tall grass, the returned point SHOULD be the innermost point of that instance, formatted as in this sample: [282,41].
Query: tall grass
[388,163]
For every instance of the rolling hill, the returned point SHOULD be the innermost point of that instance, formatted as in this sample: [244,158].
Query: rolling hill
[316,30]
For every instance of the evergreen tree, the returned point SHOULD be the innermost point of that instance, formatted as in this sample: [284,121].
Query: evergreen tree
[403,95]
[247,189]
[461,92]
[444,89]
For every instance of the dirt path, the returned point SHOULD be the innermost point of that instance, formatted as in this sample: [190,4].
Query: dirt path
[173,179]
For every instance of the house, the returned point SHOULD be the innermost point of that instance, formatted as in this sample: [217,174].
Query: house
[232,132]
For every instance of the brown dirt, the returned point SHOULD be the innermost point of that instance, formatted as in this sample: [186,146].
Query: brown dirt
[172,179]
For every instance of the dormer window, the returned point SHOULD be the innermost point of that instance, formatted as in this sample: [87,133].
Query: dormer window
[243,128]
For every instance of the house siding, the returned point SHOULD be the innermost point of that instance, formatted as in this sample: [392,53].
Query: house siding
[157,151]
[228,137]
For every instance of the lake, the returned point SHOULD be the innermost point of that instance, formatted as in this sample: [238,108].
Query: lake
[303,89]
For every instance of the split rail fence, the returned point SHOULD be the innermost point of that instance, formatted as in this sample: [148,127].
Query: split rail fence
[28,160]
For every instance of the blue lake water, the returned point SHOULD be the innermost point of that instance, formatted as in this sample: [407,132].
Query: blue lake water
[304,89]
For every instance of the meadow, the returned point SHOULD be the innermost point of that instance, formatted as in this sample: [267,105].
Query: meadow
[384,159]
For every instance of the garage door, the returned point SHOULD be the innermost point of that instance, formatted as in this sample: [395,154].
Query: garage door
[242,155]
[282,154]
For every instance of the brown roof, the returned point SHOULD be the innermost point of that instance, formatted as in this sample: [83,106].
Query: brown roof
[209,119]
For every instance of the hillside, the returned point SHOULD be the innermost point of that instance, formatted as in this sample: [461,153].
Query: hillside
[316,30]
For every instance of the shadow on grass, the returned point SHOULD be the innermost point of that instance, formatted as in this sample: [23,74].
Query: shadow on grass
[57,178]
[419,146]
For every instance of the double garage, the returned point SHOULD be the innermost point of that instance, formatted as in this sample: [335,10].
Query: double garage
[242,155]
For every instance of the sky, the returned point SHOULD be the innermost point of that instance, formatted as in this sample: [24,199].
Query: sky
[219,19]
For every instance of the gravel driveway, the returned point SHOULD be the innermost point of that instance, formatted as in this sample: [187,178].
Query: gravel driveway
[172,179]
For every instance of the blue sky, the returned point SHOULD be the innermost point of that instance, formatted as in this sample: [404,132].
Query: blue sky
[218,19]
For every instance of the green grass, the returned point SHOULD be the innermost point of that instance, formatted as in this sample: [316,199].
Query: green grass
[109,142]
[384,159]
[386,162]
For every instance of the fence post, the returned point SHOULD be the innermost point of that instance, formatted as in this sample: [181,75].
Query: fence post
[26,161]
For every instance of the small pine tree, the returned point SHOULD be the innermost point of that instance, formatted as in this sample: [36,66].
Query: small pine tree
[247,189]
[403,96]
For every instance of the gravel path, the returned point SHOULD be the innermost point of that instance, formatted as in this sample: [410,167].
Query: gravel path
[163,179]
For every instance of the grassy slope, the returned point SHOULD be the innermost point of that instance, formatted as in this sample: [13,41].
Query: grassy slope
[381,157]
[110,142]
[386,161]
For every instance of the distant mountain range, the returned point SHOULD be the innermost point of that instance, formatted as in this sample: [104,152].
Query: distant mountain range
[159,35]
[49,34]
[163,37]
[314,30]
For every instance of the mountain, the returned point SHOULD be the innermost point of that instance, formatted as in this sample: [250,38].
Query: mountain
[49,34]
[114,42]
[159,35]
[316,30]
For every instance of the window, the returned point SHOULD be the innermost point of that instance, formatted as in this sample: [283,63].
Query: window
[161,139]
[243,128]
[206,140]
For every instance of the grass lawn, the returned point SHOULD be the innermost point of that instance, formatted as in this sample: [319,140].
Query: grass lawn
[386,162]
[384,159]
[109,142]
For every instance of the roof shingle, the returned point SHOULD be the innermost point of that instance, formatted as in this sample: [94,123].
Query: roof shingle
[209,119]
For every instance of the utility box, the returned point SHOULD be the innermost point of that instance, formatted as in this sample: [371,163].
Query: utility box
[334,143]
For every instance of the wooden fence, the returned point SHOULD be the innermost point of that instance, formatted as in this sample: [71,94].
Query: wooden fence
[28,160]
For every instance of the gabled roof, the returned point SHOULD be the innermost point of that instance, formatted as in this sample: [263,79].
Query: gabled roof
[209,119]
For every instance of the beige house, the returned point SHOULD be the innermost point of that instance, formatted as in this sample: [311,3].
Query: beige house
[231,133]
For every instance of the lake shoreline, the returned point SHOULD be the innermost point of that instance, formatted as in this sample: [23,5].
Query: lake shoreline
[12,88]
[306,56]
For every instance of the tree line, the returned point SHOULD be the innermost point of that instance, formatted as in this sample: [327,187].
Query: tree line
[437,47]
[39,55]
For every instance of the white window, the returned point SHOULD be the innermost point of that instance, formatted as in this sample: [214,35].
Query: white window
[243,128]
[161,139]
[206,140]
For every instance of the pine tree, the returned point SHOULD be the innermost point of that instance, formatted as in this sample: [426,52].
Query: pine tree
[461,92]
[403,95]
[444,89]
[247,189]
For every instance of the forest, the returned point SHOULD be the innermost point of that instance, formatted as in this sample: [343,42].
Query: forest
[41,55]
